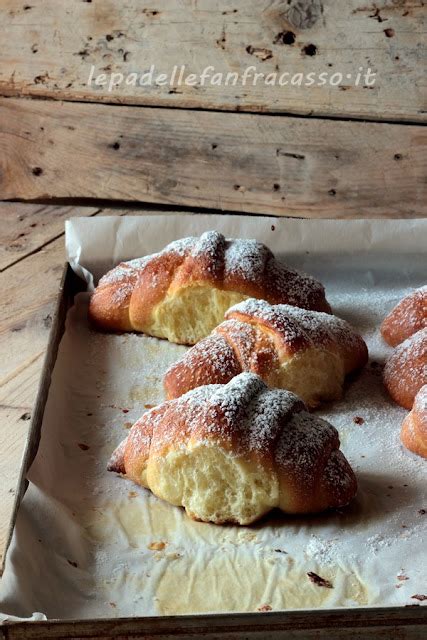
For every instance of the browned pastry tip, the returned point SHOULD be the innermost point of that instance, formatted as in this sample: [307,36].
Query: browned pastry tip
[230,453]
[117,459]
[405,371]
[414,426]
[183,292]
[407,317]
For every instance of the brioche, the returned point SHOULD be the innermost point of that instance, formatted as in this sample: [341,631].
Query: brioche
[230,453]
[405,371]
[183,292]
[408,317]
[414,427]
[307,352]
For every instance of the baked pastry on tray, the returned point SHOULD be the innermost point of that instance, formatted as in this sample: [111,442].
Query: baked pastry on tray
[183,292]
[307,352]
[230,453]
[405,371]
[408,317]
[414,427]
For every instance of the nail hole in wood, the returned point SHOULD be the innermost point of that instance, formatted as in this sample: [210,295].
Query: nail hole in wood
[285,37]
[309,50]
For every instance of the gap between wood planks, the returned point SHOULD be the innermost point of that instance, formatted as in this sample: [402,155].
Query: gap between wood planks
[136,207]
[247,111]
[106,207]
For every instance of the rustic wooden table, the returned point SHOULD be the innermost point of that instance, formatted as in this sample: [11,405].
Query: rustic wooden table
[72,149]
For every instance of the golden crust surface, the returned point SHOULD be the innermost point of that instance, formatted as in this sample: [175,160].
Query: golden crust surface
[414,427]
[306,352]
[405,371]
[230,453]
[183,292]
[408,317]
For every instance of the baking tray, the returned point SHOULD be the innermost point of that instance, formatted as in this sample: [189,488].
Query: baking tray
[402,622]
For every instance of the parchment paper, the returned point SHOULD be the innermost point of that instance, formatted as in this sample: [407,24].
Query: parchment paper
[88,543]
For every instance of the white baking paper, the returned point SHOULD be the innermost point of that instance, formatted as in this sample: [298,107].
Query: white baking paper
[88,543]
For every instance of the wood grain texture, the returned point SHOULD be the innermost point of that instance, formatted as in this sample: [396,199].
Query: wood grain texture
[24,230]
[50,46]
[240,162]
[29,283]
[29,290]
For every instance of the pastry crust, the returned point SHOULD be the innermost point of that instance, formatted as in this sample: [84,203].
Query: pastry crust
[414,427]
[408,317]
[183,292]
[306,352]
[405,371]
[230,453]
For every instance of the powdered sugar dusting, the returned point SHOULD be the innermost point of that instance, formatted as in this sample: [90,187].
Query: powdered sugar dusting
[421,400]
[318,328]
[410,356]
[244,261]
[243,339]
[122,272]
[210,245]
[213,350]
[409,312]
[410,350]
[303,443]
[247,259]
[250,417]
[297,288]
[122,293]
[181,247]
[132,267]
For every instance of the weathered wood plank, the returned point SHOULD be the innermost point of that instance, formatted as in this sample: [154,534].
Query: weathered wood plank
[24,229]
[29,289]
[240,162]
[52,44]
[12,439]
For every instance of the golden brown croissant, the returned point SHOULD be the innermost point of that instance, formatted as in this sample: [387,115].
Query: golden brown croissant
[307,352]
[408,317]
[182,292]
[405,371]
[230,453]
[414,427]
